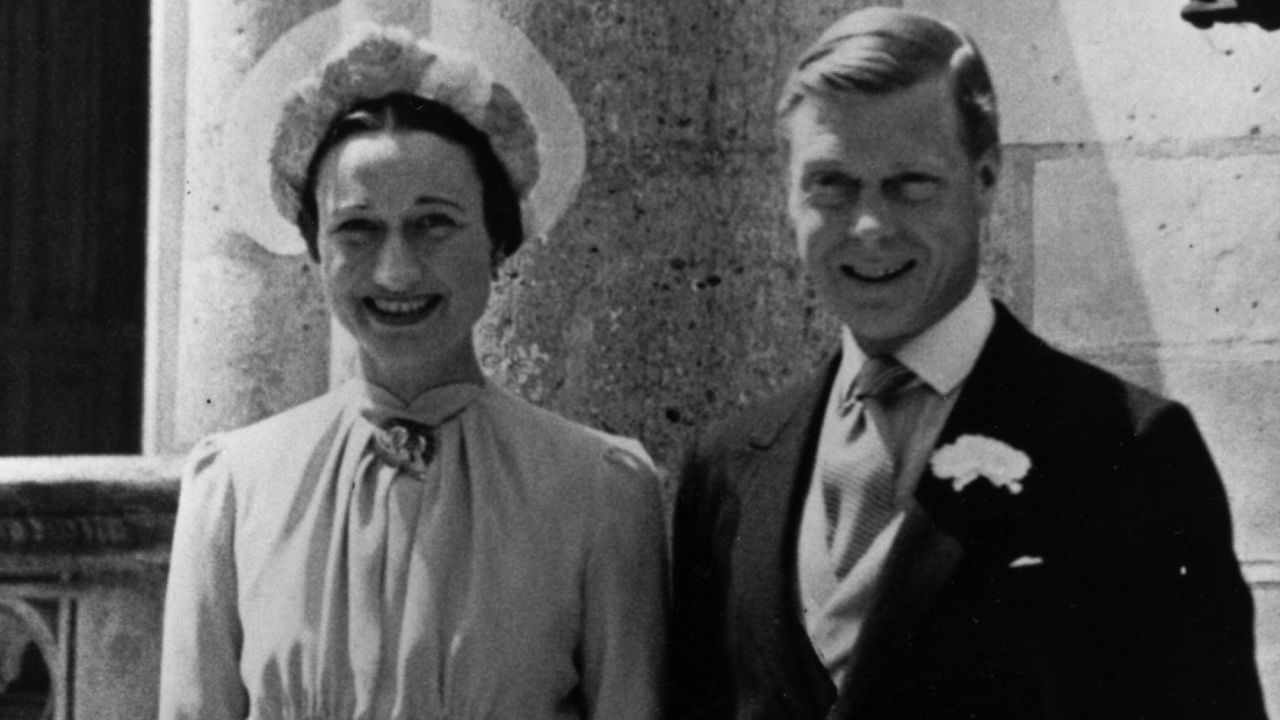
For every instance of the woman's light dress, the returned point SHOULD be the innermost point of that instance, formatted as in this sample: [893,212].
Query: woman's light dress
[523,577]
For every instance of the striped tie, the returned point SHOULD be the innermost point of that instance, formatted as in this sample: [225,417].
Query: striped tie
[859,483]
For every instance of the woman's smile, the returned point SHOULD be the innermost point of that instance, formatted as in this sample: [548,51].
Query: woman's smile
[402,311]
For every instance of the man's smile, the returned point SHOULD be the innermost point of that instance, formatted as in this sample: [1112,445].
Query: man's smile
[877,273]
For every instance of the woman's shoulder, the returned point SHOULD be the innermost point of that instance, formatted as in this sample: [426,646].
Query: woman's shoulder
[295,424]
[548,435]
[262,443]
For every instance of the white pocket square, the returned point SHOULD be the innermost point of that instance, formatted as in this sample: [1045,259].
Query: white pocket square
[1027,561]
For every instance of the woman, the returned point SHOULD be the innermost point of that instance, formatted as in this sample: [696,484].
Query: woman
[418,543]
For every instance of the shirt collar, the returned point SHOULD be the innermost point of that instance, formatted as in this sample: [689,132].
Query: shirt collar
[944,354]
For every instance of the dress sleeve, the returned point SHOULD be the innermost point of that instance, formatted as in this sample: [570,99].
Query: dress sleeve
[199,671]
[625,591]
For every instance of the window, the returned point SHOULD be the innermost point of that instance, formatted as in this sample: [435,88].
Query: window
[73,158]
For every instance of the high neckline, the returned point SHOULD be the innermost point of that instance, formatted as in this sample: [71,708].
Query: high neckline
[433,407]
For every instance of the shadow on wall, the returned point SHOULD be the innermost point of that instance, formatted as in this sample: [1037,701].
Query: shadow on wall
[1085,283]
[669,295]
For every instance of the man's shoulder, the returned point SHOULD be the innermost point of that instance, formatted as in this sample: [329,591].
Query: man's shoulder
[1067,382]
[759,421]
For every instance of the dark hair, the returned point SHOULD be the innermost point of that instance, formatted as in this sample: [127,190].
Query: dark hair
[880,50]
[405,112]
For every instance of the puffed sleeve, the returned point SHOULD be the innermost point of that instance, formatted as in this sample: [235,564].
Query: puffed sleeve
[199,671]
[625,591]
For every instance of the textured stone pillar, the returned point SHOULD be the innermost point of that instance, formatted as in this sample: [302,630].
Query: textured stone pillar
[252,331]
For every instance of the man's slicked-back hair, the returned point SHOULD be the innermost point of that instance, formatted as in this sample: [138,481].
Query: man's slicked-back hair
[880,50]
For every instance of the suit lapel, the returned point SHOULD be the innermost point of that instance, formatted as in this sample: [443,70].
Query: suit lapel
[1000,400]
[921,560]
[936,531]
[774,471]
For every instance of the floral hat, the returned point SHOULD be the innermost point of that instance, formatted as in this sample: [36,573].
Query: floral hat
[376,61]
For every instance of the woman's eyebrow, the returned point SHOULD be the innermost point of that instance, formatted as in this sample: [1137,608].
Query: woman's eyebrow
[436,199]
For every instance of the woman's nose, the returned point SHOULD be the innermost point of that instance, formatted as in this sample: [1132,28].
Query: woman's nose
[398,266]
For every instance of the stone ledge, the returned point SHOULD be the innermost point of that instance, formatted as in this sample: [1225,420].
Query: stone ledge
[62,517]
[66,518]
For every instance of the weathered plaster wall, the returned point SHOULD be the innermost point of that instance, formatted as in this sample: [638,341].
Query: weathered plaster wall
[670,293]
[1138,205]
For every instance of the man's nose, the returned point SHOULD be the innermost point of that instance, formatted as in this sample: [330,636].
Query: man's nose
[398,266]
[872,220]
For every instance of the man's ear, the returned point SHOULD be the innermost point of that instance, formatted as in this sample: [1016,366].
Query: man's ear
[988,169]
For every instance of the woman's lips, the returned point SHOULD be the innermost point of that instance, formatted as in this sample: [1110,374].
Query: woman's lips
[402,311]
[879,273]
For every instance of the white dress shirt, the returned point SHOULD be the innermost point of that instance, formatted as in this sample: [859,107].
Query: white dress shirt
[942,357]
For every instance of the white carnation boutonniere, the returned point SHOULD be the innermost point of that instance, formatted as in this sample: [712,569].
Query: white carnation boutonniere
[973,456]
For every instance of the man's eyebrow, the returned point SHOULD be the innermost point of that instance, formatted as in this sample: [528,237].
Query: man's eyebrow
[428,199]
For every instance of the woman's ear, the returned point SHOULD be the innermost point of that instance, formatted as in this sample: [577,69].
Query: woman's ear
[496,257]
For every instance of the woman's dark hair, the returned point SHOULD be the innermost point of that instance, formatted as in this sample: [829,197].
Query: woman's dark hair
[405,112]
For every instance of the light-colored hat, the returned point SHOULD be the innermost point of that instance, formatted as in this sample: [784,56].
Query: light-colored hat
[377,61]
[275,119]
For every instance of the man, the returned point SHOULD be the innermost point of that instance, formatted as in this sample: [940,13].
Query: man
[951,519]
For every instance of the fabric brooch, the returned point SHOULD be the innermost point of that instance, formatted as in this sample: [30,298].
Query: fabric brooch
[407,445]
[973,456]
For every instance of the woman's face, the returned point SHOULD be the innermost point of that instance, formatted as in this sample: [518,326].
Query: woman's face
[404,255]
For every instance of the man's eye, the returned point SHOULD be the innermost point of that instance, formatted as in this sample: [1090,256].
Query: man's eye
[915,188]
[437,224]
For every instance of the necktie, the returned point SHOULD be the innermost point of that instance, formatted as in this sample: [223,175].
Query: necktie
[859,482]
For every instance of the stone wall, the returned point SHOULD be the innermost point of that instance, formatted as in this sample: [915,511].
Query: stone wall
[83,548]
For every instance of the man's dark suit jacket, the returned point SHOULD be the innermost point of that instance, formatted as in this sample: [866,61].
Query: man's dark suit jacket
[1124,599]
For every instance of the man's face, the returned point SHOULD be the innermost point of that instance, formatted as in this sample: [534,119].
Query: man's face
[887,207]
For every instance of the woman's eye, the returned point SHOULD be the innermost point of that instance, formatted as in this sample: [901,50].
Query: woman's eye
[358,227]
[831,188]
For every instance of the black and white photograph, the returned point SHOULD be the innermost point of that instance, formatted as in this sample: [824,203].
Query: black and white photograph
[639,360]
